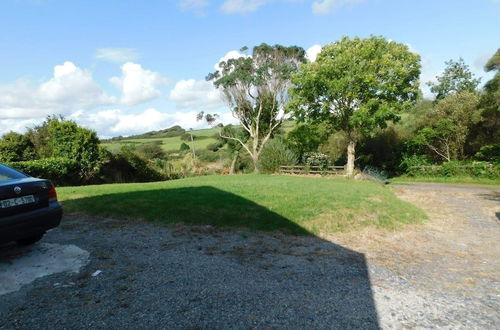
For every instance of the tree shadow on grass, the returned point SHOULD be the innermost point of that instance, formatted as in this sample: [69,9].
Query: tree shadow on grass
[314,284]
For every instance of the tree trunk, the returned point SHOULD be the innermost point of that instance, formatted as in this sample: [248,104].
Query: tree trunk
[255,159]
[351,154]
[233,163]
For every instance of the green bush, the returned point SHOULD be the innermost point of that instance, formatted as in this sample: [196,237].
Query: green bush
[489,152]
[127,166]
[208,156]
[315,159]
[457,169]
[410,162]
[215,146]
[184,147]
[275,154]
[61,171]
[151,150]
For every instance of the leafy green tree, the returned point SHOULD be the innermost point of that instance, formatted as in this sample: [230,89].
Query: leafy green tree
[456,78]
[307,137]
[334,147]
[58,137]
[16,147]
[234,146]
[357,85]
[69,140]
[256,89]
[453,117]
[487,130]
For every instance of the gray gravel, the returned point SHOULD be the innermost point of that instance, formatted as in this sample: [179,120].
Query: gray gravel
[201,277]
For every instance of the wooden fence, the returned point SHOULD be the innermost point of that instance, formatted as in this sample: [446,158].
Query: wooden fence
[300,169]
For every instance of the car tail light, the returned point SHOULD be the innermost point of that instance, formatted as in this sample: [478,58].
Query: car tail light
[52,194]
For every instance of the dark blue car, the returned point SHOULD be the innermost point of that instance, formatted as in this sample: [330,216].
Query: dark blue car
[28,207]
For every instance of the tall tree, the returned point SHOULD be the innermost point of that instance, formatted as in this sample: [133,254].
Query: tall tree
[357,85]
[452,119]
[255,88]
[456,78]
[487,130]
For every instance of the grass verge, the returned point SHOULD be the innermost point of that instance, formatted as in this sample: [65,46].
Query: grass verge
[260,202]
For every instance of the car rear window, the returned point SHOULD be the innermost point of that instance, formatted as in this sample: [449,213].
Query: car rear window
[7,173]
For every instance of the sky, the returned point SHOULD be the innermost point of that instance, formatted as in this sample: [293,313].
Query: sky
[123,67]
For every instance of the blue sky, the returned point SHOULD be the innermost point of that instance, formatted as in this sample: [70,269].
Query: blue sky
[122,67]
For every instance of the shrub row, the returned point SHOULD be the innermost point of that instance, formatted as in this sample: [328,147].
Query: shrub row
[61,171]
[456,169]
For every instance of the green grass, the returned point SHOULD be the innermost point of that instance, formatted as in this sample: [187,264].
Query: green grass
[259,202]
[168,144]
[470,180]
[173,143]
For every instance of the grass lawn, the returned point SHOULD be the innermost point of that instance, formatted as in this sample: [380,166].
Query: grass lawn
[405,179]
[260,202]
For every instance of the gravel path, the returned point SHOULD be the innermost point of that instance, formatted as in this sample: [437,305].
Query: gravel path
[443,274]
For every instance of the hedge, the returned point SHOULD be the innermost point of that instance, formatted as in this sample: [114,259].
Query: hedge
[61,171]
[457,169]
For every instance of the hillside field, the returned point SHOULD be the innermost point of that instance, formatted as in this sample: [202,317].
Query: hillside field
[259,202]
[205,137]
[169,144]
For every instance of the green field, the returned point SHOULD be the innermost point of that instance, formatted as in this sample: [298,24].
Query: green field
[205,137]
[259,202]
[169,144]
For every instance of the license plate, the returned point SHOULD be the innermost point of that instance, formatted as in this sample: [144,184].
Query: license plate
[17,201]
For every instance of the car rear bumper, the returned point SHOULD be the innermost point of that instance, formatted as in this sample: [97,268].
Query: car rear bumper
[30,223]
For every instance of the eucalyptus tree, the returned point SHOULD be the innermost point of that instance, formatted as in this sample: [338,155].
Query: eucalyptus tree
[456,78]
[255,88]
[356,85]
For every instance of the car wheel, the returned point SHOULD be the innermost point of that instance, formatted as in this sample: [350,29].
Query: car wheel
[30,240]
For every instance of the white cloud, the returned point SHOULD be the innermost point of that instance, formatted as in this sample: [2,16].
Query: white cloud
[118,55]
[70,87]
[137,85]
[312,52]
[17,125]
[323,7]
[115,122]
[196,94]
[197,6]
[200,94]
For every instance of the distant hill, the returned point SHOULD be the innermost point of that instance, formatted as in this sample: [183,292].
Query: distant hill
[170,139]
[164,133]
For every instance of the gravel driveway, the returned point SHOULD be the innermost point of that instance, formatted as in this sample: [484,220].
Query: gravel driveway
[443,274]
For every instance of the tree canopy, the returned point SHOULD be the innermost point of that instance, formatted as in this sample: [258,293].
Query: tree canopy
[456,78]
[357,85]
[255,87]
